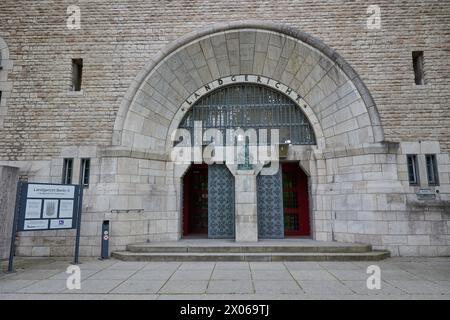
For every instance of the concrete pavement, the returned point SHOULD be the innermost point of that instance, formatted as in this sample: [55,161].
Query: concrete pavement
[401,278]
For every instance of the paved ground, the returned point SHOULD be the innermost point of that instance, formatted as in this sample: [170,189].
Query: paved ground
[402,278]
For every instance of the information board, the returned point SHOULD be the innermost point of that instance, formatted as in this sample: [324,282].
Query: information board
[48,206]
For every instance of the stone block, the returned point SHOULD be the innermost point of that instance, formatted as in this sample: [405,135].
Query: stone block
[395,240]
[128,166]
[431,147]
[418,240]
[40,251]
[399,227]
[410,147]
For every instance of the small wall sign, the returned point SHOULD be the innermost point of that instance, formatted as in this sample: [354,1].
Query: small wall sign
[426,194]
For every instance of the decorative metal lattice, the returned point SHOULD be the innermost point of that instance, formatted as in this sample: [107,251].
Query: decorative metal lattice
[251,106]
[270,206]
[220,202]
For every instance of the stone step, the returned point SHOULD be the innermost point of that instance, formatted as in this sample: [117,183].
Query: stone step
[191,256]
[248,248]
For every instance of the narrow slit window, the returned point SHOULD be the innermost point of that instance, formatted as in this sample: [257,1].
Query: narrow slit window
[67,171]
[432,170]
[85,172]
[77,73]
[419,76]
[413,170]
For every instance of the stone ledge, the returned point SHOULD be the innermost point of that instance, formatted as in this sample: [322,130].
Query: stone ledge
[118,152]
[428,203]
[366,148]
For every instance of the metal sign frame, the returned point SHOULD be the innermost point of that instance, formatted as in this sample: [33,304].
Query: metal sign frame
[46,210]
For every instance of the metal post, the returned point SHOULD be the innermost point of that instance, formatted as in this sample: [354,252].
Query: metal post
[12,247]
[77,239]
[105,240]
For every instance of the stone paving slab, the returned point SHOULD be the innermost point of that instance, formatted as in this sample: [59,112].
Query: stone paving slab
[402,278]
[191,274]
[230,286]
[96,286]
[112,274]
[277,287]
[184,286]
[139,286]
[45,286]
[10,286]
[360,288]
[232,266]
[325,287]
[239,274]
[152,275]
[312,275]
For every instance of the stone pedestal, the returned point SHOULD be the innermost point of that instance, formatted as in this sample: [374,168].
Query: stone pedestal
[246,210]
[8,186]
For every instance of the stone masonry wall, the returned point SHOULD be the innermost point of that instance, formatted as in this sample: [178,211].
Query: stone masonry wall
[364,196]
[8,185]
[359,194]
[135,195]
[116,39]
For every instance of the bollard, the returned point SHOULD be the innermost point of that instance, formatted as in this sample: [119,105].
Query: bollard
[105,240]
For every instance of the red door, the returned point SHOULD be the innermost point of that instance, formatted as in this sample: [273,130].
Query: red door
[195,200]
[295,200]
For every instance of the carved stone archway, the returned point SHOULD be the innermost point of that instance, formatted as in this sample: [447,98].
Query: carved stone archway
[338,100]
[334,98]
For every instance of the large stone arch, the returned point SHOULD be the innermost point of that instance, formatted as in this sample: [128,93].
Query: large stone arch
[336,97]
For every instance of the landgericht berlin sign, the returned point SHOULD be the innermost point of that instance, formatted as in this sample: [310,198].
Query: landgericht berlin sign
[48,207]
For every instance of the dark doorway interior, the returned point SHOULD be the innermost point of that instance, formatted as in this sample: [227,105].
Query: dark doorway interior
[195,201]
[295,201]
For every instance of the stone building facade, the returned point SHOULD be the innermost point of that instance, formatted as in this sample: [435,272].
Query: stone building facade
[145,64]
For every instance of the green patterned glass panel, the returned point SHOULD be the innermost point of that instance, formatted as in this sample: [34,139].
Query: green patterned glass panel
[270,206]
[220,202]
[251,106]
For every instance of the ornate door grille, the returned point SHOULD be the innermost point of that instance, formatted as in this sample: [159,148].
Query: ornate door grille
[251,106]
[220,202]
[270,206]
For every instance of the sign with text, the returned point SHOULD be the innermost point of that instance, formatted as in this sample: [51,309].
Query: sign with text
[426,194]
[48,206]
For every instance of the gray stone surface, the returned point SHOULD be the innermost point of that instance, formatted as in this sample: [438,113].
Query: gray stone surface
[133,116]
[9,176]
[413,278]
[277,287]
[230,286]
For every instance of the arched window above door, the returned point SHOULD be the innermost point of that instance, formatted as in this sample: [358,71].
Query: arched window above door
[251,106]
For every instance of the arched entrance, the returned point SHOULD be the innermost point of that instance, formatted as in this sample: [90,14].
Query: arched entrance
[322,85]
[208,202]
[282,196]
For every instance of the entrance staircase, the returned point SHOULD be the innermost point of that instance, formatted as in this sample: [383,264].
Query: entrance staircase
[265,250]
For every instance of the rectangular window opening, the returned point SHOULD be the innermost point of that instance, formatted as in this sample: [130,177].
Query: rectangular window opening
[85,171]
[67,171]
[419,75]
[432,170]
[77,73]
[413,169]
